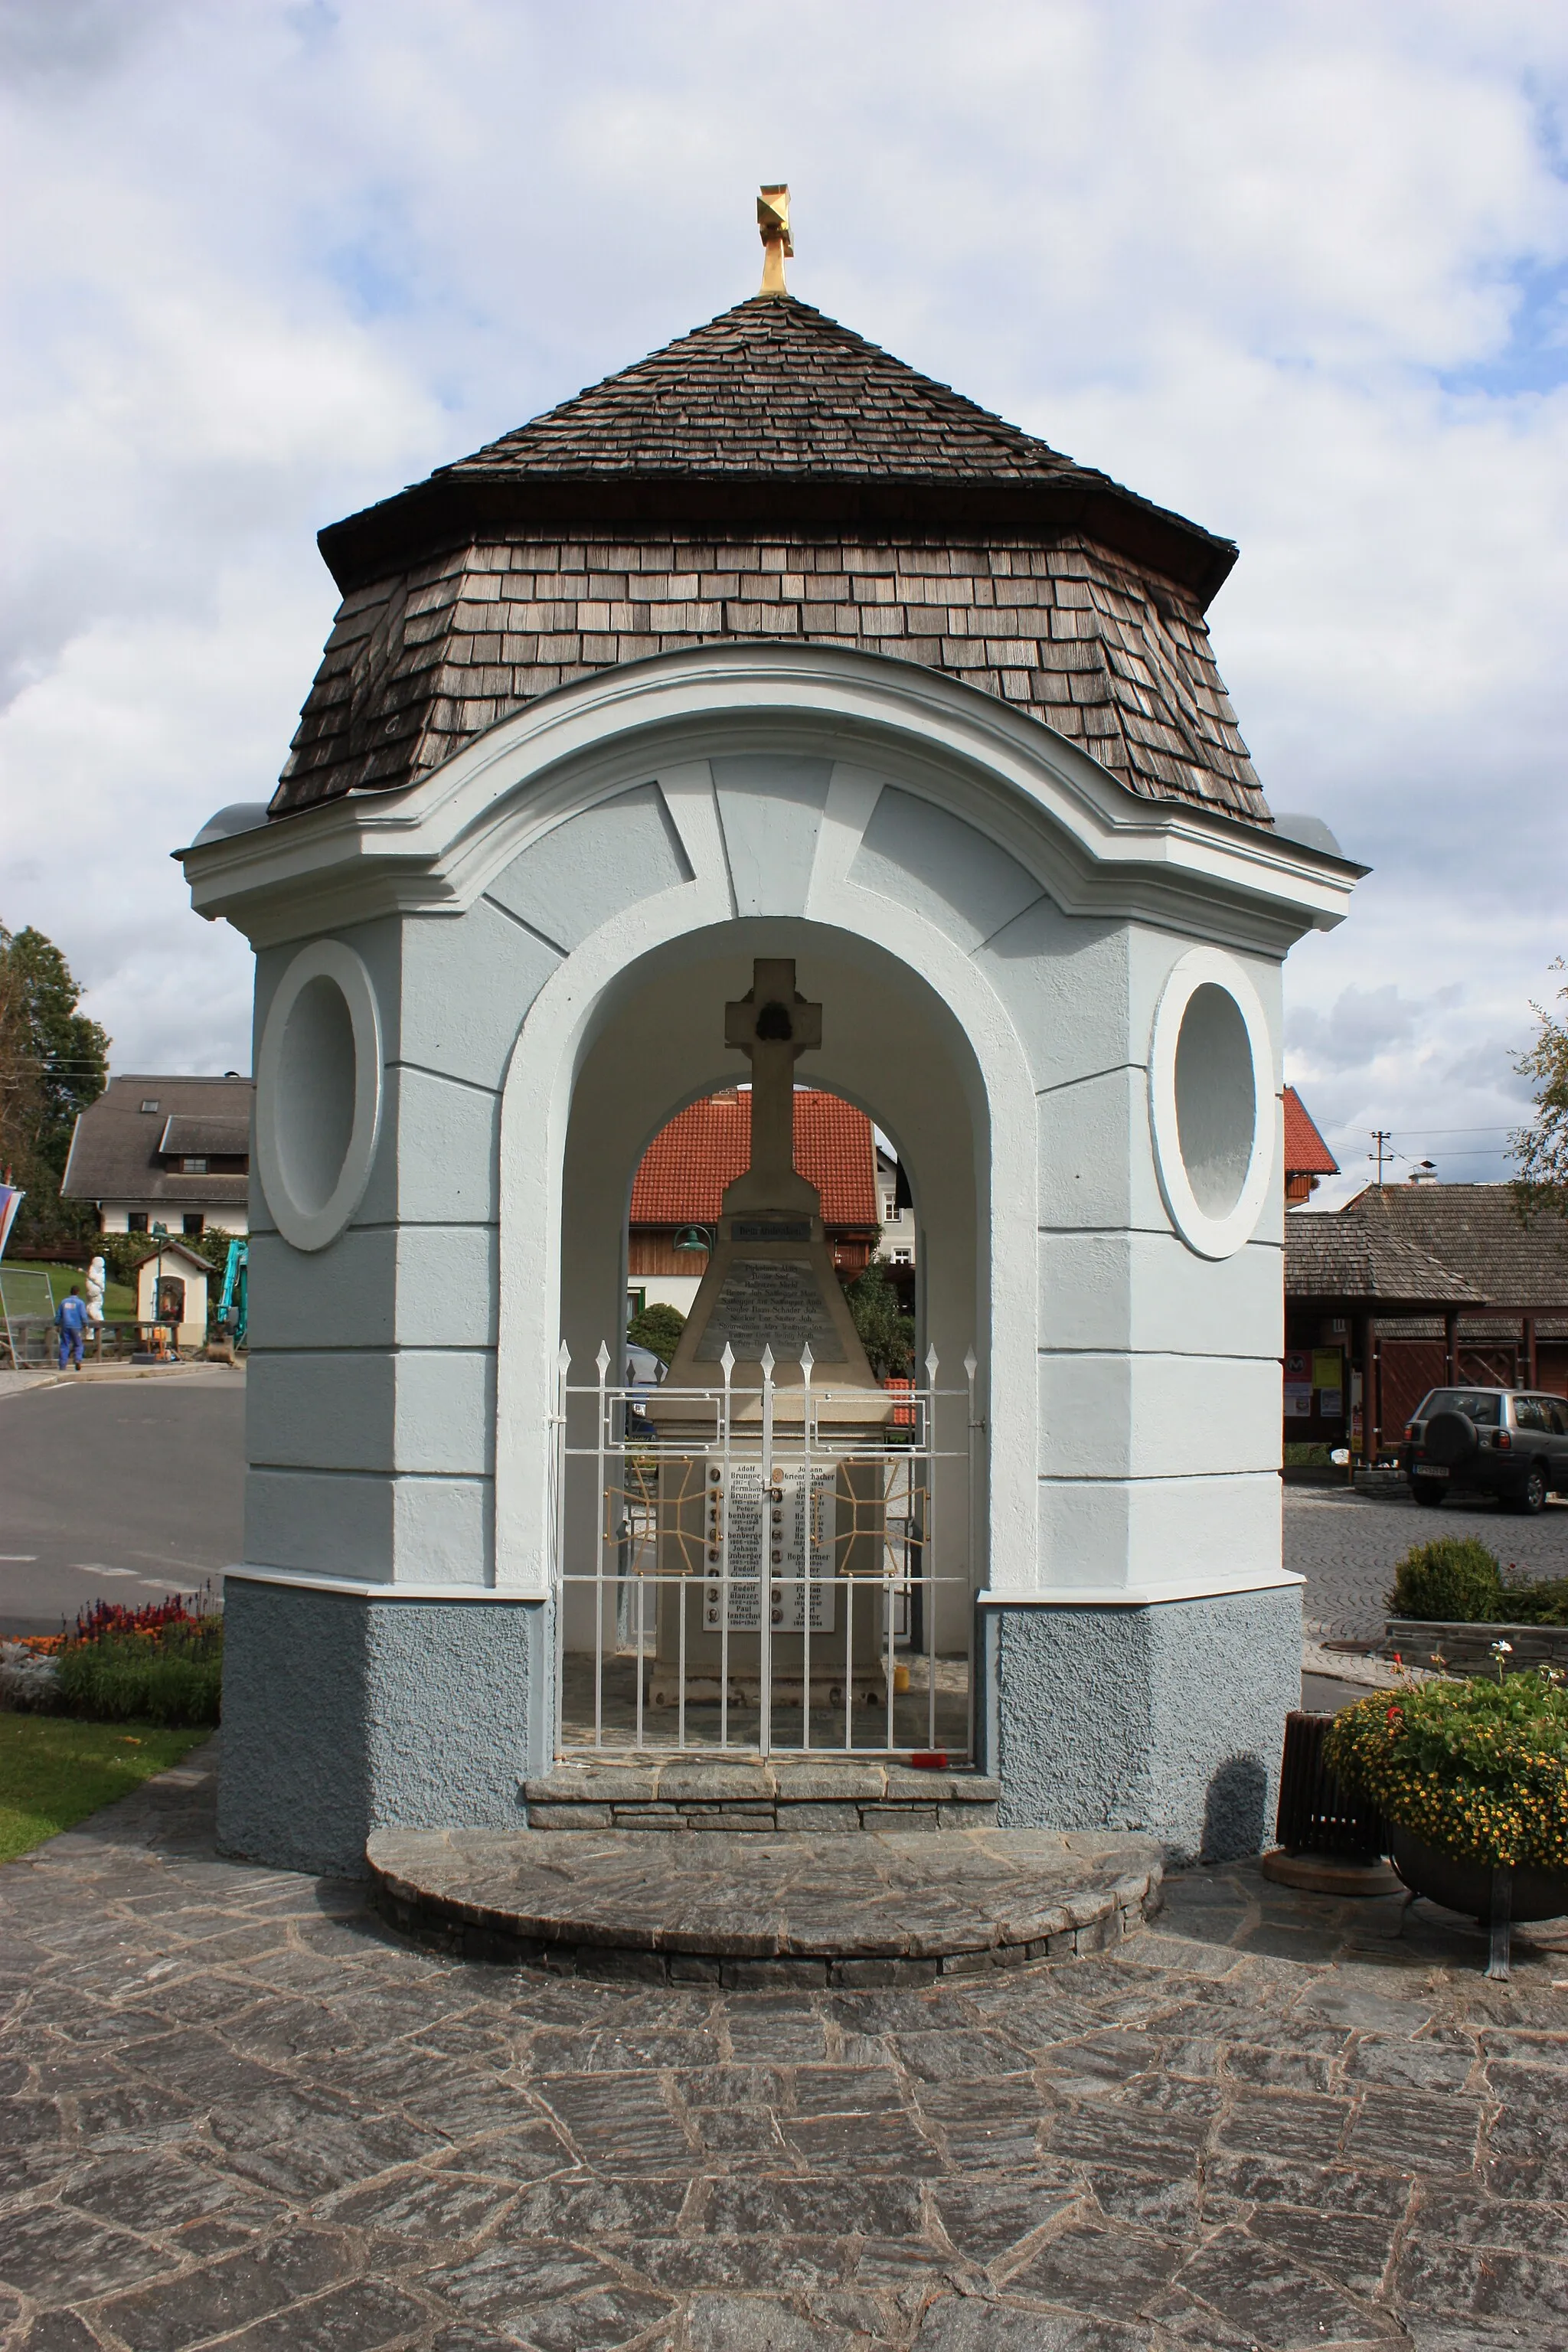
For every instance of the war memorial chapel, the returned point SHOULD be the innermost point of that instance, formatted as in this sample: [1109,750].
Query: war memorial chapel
[770,714]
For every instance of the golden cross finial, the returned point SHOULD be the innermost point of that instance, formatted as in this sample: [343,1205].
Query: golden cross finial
[772,227]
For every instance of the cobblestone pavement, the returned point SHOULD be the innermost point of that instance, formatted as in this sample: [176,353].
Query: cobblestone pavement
[236,2111]
[1346,1544]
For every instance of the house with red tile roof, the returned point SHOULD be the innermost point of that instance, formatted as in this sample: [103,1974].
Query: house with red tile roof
[1307,1156]
[678,1190]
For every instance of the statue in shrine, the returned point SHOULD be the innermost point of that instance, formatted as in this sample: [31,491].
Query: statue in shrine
[96,1277]
[771,1325]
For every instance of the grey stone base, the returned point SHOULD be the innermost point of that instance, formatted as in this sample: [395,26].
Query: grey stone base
[1467,1649]
[1168,1718]
[343,1716]
[687,1793]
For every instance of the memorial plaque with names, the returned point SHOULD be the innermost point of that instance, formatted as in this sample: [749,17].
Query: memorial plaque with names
[769,1302]
[776,1519]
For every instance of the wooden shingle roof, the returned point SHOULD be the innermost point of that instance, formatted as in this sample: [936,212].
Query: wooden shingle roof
[772,476]
[1436,1245]
[772,387]
[1476,1231]
[1330,1256]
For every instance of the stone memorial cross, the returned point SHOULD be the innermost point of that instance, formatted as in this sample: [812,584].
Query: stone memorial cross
[773,1027]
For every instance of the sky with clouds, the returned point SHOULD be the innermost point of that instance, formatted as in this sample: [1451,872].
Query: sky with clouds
[1301,271]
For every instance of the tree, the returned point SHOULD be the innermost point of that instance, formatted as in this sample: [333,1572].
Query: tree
[658,1328]
[21,1085]
[54,1061]
[1541,1149]
[886,1333]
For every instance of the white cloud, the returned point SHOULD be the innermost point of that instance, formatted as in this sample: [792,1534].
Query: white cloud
[1274,267]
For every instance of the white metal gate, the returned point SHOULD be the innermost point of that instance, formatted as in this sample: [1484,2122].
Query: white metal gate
[737,1575]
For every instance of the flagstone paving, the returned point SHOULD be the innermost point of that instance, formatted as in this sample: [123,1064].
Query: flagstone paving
[235,2109]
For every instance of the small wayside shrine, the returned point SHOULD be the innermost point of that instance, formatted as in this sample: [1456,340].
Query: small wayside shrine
[769,700]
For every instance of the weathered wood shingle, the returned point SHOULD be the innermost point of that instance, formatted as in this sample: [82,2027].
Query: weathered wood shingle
[900,519]
[771,387]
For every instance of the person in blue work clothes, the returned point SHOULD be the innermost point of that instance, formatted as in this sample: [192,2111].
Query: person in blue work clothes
[70,1318]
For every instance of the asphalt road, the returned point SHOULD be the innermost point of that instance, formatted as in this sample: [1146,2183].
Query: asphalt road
[118,1490]
[128,1489]
[1346,1546]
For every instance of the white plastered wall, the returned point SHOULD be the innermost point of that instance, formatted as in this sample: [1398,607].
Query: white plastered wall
[1134,1385]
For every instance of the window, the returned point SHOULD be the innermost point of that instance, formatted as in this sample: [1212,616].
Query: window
[1527,1414]
[136,1222]
[1557,1414]
[152,1104]
[889,1207]
[1479,1405]
[903,1258]
[194,1167]
[194,1225]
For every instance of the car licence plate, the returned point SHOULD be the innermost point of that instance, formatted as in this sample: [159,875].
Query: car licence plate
[1430,1470]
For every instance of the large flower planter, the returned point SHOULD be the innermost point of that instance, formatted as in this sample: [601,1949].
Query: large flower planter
[1461,1885]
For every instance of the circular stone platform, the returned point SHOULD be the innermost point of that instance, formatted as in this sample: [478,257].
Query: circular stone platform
[705,1907]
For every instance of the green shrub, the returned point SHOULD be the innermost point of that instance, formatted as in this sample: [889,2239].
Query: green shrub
[172,1678]
[1477,1768]
[658,1328]
[1545,1604]
[1455,1577]
[1305,1454]
[886,1333]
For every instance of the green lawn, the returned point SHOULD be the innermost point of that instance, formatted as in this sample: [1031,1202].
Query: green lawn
[54,1772]
[118,1298]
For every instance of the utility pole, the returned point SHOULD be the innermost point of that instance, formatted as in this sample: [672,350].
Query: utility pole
[1383,1138]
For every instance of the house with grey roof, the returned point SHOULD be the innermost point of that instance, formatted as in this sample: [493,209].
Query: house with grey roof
[1411,1285]
[155,1150]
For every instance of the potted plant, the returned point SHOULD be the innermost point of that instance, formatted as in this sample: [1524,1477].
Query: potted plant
[1472,1778]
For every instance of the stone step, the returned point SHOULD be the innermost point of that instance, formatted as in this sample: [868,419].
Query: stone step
[753,1913]
[650,1792]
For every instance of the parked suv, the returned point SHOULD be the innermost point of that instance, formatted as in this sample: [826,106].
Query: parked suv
[1508,1442]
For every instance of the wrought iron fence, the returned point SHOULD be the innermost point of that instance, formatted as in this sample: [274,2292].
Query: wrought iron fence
[751,1570]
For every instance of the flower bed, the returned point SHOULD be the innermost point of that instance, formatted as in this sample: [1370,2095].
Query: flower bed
[159,1664]
[1476,1768]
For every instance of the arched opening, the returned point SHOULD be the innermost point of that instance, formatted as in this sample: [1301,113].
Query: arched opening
[908,1513]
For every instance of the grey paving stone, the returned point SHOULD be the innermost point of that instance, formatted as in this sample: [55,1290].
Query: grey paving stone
[341,2140]
[59,2331]
[359,2318]
[55,2256]
[1346,1545]
[987,2219]
[1116,2274]
[729,2322]
[598,2322]
[222,2296]
[1277,2301]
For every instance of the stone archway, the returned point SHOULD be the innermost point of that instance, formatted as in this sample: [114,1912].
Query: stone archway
[796,799]
[891,1045]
